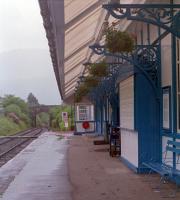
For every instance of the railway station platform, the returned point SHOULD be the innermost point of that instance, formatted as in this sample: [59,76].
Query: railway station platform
[95,175]
[39,172]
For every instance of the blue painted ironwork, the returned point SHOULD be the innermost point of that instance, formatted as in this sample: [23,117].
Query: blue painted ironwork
[166,16]
[145,58]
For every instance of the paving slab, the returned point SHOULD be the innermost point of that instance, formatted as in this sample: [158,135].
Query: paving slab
[39,172]
[97,176]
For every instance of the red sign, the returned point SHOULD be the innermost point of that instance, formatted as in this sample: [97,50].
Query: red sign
[85,125]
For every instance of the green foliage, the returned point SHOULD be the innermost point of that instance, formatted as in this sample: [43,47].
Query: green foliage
[56,121]
[23,125]
[54,111]
[32,100]
[25,118]
[42,119]
[11,99]
[62,128]
[117,41]
[91,81]
[81,92]
[98,69]
[8,127]
[13,108]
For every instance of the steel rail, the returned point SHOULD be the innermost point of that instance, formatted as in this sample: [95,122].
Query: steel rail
[6,139]
[20,143]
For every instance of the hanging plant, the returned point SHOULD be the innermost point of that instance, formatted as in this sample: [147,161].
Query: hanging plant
[98,69]
[117,41]
[81,92]
[91,81]
[77,98]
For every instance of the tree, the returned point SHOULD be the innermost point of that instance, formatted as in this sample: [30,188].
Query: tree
[11,99]
[43,119]
[13,108]
[54,114]
[7,126]
[18,106]
[56,117]
[16,116]
[32,100]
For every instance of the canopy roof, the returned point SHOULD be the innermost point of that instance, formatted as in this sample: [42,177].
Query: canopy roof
[71,26]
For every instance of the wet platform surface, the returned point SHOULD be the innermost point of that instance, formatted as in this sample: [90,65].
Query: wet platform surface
[39,172]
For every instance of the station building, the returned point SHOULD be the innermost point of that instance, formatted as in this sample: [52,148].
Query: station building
[142,94]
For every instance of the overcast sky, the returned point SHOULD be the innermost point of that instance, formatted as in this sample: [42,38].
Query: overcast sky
[25,64]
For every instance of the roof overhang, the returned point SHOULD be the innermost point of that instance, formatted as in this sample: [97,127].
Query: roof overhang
[71,27]
[52,12]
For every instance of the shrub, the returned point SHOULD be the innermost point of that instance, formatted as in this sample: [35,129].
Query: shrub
[81,92]
[98,69]
[91,81]
[8,127]
[117,41]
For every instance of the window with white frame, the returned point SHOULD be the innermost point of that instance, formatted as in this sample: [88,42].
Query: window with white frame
[83,113]
[178,82]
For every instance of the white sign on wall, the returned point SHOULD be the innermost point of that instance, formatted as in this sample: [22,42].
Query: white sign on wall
[166,108]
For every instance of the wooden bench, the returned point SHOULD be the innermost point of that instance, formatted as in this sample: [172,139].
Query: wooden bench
[165,168]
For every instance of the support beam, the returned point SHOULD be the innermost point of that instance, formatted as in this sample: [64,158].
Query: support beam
[161,36]
[145,58]
[166,16]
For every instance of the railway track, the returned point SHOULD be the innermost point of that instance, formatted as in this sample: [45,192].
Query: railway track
[6,139]
[12,145]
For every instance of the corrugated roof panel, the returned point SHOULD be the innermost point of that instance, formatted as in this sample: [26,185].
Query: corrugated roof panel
[83,21]
[75,71]
[75,7]
[81,34]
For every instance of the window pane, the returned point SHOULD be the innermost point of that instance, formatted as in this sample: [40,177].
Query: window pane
[83,113]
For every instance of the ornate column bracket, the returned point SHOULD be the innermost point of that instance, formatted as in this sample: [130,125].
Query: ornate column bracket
[166,16]
[145,58]
[98,49]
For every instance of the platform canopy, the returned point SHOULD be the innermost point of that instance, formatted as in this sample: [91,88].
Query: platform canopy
[71,26]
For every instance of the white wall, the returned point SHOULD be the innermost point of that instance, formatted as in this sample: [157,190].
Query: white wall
[129,139]
[127,103]
[80,129]
[129,146]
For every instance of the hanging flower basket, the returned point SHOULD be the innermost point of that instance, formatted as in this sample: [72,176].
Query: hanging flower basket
[99,69]
[77,98]
[81,92]
[91,81]
[118,42]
